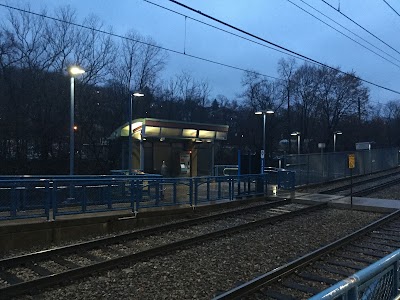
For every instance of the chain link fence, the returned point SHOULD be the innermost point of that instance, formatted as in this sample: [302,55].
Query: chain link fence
[322,167]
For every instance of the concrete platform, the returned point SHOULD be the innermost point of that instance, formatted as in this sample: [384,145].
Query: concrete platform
[360,203]
[25,233]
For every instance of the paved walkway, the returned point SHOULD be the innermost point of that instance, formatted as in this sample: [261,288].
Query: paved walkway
[357,202]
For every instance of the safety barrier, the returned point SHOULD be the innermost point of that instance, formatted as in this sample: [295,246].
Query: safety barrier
[379,281]
[49,197]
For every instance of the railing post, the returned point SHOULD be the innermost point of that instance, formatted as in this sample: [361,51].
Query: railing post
[219,188]
[157,190]
[396,278]
[108,196]
[47,199]
[174,191]
[208,189]
[54,200]
[196,191]
[353,293]
[84,199]
[133,194]
[191,192]
[14,204]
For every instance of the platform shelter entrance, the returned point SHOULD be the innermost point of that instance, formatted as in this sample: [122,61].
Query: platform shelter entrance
[187,148]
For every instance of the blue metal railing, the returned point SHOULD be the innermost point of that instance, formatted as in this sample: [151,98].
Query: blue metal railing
[379,281]
[36,196]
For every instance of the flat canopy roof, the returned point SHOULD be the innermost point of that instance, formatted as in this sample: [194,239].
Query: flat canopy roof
[167,129]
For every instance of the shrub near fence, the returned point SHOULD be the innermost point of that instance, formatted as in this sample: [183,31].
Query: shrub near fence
[25,197]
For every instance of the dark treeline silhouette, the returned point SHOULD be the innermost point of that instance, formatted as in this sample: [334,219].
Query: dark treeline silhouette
[35,53]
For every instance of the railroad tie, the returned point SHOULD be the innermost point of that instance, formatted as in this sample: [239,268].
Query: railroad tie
[301,287]
[39,269]
[10,278]
[316,278]
[277,295]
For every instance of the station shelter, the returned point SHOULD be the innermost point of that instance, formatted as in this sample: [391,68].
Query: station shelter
[187,148]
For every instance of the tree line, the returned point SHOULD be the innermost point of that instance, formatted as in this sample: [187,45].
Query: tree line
[35,53]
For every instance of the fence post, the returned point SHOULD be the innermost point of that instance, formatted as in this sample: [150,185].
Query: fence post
[14,201]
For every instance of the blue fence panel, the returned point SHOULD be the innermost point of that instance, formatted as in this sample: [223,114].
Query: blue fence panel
[379,281]
[22,197]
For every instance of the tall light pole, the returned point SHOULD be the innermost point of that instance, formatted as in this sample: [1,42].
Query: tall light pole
[334,139]
[297,133]
[73,71]
[135,94]
[264,113]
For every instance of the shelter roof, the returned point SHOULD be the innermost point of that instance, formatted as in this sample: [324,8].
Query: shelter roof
[169,129]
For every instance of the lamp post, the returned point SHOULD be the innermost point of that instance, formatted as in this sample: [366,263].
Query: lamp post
[136,94]
[334,139]
[73,71]
[264,113]
[297,133]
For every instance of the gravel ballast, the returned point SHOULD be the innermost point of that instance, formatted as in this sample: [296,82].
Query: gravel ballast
[199,272]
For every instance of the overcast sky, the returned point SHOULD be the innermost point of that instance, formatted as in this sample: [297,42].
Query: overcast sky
[278,21]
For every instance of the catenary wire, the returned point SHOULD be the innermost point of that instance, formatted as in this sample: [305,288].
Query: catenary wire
[362,27]
[181,53]
[352,32]
[226,31]
[281,47]
[391,7]
[139,41]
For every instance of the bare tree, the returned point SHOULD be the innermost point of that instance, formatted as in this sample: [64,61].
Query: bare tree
[286,69]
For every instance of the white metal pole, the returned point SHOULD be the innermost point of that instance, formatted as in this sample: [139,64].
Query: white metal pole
[130,137]
[71,130]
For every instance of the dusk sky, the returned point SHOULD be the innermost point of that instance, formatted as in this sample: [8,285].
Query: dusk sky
[278,21]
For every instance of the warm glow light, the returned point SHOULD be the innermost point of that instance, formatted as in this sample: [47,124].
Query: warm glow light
[261,112]
[75,128]
[75,70]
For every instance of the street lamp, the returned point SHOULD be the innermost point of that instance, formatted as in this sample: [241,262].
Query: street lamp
[297,133]
[135,94]
[264,113]
[73,71]
[334,139]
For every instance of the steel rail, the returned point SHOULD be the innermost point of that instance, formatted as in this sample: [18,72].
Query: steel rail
[276,274]
[16,260]
[46,281]
[358,183]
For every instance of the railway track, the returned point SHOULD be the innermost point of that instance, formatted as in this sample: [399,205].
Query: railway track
[365,187]
[316,271]
[34,271]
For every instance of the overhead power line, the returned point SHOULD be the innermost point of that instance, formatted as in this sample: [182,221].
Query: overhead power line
[225,31]
[391,8]
[280,47]
[278,50]
[185,54]
[362,27]
[345,28]
[139,41]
